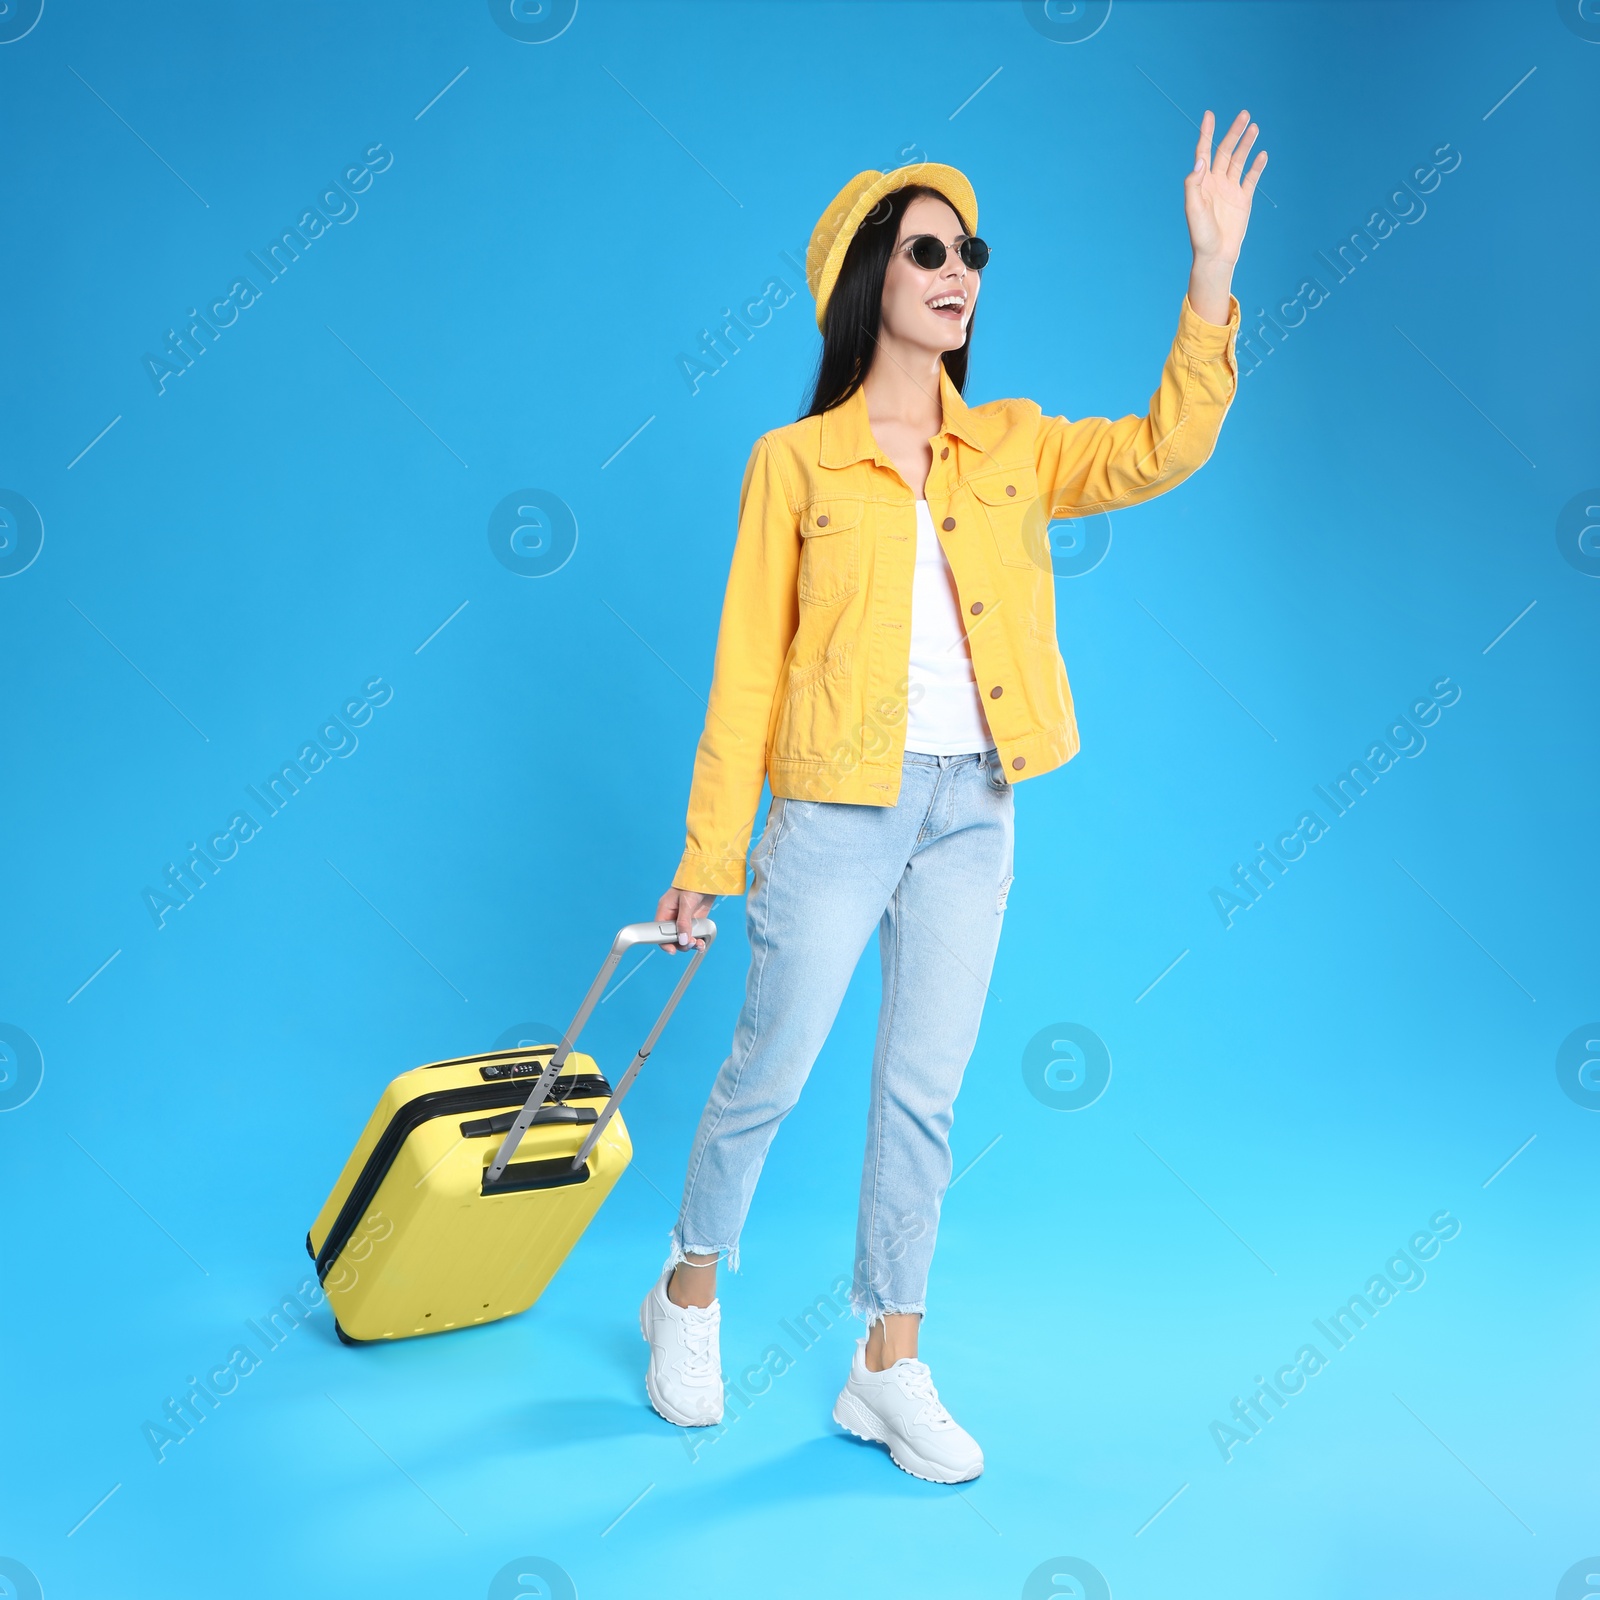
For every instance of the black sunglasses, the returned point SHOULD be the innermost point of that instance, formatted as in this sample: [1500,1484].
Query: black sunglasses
[930,253]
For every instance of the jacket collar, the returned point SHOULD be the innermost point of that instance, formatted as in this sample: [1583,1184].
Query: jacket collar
[960,419]
[847,434]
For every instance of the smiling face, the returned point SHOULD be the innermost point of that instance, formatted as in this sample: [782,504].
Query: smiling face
[929,308]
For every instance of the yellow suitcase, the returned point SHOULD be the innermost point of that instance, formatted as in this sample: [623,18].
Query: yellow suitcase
[434,1224]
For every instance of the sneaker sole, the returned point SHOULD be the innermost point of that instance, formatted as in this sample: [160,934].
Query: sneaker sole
[657,1406]
[855,1418]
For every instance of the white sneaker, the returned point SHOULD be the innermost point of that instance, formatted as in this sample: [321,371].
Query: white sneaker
[684,1378]
[900,1407]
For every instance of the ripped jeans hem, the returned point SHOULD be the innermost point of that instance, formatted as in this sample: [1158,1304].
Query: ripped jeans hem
[679,1251]
[871,1307]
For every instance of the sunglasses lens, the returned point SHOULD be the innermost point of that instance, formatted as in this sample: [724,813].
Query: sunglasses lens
[927,252]
[975,253]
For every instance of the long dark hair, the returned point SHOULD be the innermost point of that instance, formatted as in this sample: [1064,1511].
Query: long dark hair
[851,322]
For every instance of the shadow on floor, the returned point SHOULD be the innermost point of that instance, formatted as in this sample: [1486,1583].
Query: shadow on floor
[834,1464]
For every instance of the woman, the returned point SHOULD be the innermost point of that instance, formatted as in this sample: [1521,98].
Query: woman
[887,660]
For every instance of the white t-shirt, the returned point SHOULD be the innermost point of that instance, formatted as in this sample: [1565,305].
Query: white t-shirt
[944,715]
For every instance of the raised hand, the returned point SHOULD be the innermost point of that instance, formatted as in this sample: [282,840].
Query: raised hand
[1216,200]
[1217,193]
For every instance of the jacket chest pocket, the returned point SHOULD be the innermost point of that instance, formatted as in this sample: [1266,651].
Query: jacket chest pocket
[1016,514]
[830,552]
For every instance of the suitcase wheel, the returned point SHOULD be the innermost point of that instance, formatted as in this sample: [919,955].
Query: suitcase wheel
[344,1338]
[309,1251]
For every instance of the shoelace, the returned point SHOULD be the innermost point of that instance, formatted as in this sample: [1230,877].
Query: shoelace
[698,1327]
[916,1382]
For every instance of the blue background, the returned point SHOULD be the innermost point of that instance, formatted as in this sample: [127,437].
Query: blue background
[302,509]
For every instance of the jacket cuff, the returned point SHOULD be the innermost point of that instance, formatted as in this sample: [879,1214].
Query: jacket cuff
[1206,341]
[707,874]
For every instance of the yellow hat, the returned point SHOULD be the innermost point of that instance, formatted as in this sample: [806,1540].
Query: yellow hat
[830,239]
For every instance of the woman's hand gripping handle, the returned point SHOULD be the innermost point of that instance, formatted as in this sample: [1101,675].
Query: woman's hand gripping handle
[684,907]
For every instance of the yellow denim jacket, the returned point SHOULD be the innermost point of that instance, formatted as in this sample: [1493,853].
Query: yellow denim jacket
[811,675]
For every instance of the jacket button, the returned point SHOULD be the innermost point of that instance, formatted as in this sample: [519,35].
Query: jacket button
[949,524]
[944,455]
[976,607]
[822,522]
[1019,762]
[996,692]
[1011,488]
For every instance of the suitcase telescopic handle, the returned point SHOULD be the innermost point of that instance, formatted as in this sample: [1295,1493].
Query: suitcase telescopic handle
[634,933]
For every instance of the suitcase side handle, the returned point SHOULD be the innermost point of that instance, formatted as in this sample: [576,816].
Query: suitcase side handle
[634,933]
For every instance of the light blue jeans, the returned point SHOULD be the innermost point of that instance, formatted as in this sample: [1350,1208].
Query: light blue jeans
[932,872]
